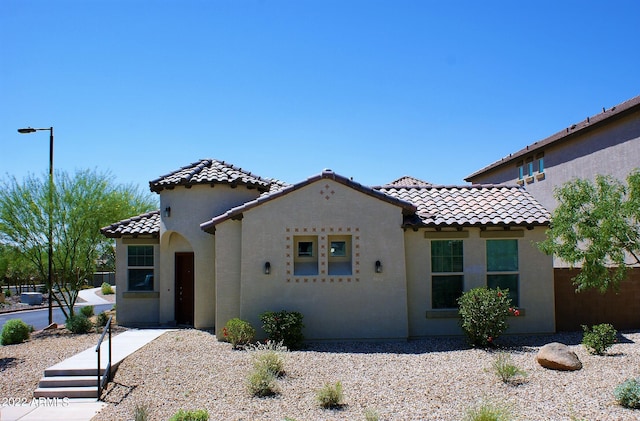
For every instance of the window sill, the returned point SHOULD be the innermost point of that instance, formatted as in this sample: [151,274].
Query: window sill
[443,314]
[141,294]
[540,176]
[520,182]
[529,179]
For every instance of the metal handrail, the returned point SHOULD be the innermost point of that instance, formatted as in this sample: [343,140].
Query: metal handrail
[107,371]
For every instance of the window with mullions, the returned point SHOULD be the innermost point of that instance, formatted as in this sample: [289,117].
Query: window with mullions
[446,260]
[502,267]
[140,268]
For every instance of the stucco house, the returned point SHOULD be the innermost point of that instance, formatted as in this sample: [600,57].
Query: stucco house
[358,262]
[607,143]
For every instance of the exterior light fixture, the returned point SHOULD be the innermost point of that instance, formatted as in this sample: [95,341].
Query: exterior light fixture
[378,266]
[50,212]
[167,211]
[267,268]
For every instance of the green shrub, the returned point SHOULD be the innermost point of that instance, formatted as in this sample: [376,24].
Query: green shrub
[599,338]
[195,415]
[506,370]
[284,327]
[78,324]
[238,332]
[86,311]
[330,396]
[15,331]
[488,412]
[106,288]
[628,394]
[270,356]
[483,314]
[262,382]
[7,292]
[102,319]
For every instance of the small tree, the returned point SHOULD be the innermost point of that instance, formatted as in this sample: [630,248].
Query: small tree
[597,227]
[483,314]
[82,204]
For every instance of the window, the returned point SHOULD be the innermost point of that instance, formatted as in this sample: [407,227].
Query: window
[541,164]
[339,262]
[530,169]
[502,267]
[140,268]
[520,171]
[305,261]
[446,258]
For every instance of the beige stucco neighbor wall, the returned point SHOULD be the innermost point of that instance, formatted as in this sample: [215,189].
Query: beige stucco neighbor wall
[362,305]
[535,270]
[136,308]
[189,208]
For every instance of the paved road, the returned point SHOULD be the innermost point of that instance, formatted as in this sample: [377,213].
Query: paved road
[39,319]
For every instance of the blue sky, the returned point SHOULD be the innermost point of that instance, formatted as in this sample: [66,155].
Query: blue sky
[374,90]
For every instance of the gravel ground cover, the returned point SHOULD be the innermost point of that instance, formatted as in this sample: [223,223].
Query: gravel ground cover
[22,365]
[427,379]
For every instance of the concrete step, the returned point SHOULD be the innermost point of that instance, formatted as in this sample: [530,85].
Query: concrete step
[68,381]
[66,392]
[69,371]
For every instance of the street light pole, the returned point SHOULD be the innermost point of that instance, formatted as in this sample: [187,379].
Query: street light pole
[50,211]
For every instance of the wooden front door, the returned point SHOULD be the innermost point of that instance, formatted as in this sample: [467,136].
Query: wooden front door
[184,289]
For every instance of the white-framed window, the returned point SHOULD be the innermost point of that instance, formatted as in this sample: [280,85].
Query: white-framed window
[447,273]
[339,259]
[502,267]
[305,262]
[140,264]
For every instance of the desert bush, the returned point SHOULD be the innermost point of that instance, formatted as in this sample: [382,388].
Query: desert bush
[7,292]
[506,370]
[628,394]
[86,311]
[140,412]
[102,319]
[238,332]
[371,415]
[483,314]
[330,396]
[269,355]
[262,382]
[194,415]
[599,338]
[106,288]
[15,331]
[488,412]
[284,327]
[78,324]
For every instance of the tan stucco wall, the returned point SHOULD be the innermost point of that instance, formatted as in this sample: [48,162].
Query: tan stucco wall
[536,281]
[138,308]
[189,208]
[362,305]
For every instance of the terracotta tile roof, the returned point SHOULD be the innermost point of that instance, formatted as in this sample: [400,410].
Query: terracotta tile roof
[145,224]
[209,171]
[407,181]
[475,205]
[590,123]
[408,208]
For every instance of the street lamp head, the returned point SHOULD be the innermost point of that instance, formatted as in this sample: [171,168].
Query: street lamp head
[27,130]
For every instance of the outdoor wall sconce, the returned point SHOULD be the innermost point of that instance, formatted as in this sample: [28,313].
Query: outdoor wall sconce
[167,211]
[267,268]
[378,266]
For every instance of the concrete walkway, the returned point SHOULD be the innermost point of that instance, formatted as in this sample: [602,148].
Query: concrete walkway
[50,408]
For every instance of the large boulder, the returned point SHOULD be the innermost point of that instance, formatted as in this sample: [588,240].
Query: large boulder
[557,356]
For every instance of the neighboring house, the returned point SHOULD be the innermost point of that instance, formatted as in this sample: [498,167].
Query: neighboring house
[358,262]
[607,143]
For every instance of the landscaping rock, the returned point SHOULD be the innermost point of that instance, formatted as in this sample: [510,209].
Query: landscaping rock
[557,356]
